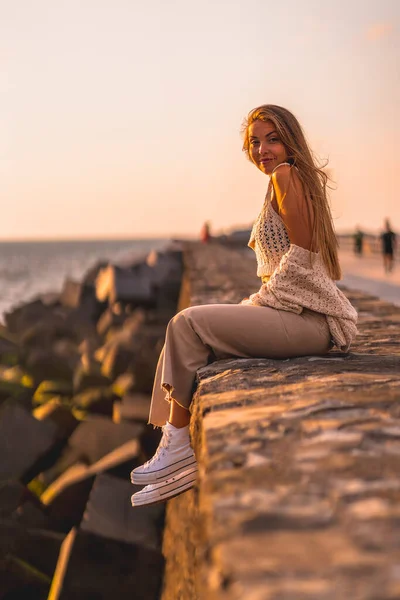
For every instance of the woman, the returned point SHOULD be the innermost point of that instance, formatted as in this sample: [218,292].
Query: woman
[297,311]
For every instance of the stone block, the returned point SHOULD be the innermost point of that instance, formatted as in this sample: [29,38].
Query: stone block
[132,407]
[110,319]
[67,495]
[22,317]
[95,401]
[95,567]
[116,361]
[58,414]
[134,285]
[97,436]
[23,440]
[93,440]
[49,389]
[44,364]
[89,376]
[109,514]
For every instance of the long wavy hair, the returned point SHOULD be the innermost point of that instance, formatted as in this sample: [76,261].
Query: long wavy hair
[312,176]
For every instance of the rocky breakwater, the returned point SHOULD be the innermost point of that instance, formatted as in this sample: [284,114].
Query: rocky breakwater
[298,494]
[76,373]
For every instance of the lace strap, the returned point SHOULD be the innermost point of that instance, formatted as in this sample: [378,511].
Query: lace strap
[280,165]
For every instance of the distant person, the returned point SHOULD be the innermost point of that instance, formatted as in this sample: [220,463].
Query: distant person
[205,235]
[297,311]
[358,242]
[389,243]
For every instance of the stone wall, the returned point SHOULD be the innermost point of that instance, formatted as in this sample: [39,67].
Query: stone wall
[298,490]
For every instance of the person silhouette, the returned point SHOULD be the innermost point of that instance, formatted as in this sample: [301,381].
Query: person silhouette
[389,242]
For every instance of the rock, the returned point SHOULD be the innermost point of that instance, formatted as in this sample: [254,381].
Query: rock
[12,495]
[44,364]
[110,319]
[167,269]
[95,400]
[16,425]
[11,389]
[45,332]
[108,514]
[98,436]
[60,415]
[71,293]
[68,492]
[116,362]
[123,384]
[97,567]
[144,362]
[134,285]
[89,377]
[21,544]
[51,389]
[92,440]
[132,407]
[8,346]
[20,581]
[22,317]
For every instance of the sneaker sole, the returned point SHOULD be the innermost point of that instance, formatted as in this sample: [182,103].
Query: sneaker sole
[163,474]
[156,496]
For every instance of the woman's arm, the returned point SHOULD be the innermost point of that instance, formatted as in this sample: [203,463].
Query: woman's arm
[294,208]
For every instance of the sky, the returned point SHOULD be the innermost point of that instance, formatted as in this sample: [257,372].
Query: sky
[122,118]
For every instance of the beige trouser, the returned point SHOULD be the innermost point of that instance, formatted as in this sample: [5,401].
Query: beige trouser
[200,334]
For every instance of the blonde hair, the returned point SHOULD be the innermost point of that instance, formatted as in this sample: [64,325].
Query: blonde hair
[312,176]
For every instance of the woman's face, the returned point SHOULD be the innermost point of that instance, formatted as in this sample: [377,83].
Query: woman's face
[265,147]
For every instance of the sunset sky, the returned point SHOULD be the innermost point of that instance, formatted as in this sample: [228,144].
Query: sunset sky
[122,118]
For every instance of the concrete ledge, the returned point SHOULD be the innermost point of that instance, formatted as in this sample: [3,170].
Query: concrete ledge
[298,492]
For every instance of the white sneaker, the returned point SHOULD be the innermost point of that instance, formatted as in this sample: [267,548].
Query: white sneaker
[159,492]
[173,456]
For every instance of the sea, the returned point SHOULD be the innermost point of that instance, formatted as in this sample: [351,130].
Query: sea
[28,269]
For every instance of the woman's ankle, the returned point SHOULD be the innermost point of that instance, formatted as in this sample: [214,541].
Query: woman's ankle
[179,416]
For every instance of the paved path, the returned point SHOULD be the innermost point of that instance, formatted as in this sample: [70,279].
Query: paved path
[367,274]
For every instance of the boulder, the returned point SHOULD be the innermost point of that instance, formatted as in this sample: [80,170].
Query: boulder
[117,361]
[67,495]
[12,494]
[12,389]
[109,514]
[144,362]
[8,346]
[44,364]
[49,389]
[132,407]
[133,285]
[89,376]
[44,332]
[34,549]
[123,384]
[90,442]
[112,317]
[59,414]
[95,400]
[98,436]
[101,568]
[167,268]
[23,441]
[22,317]
[19,581]
[71,293]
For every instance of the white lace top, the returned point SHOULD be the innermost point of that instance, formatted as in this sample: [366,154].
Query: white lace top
[269,238]
[298,278]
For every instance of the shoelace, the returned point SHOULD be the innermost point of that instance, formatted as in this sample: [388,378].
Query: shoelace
[163,445]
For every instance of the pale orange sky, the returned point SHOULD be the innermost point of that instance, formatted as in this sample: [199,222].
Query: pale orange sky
[123,118]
